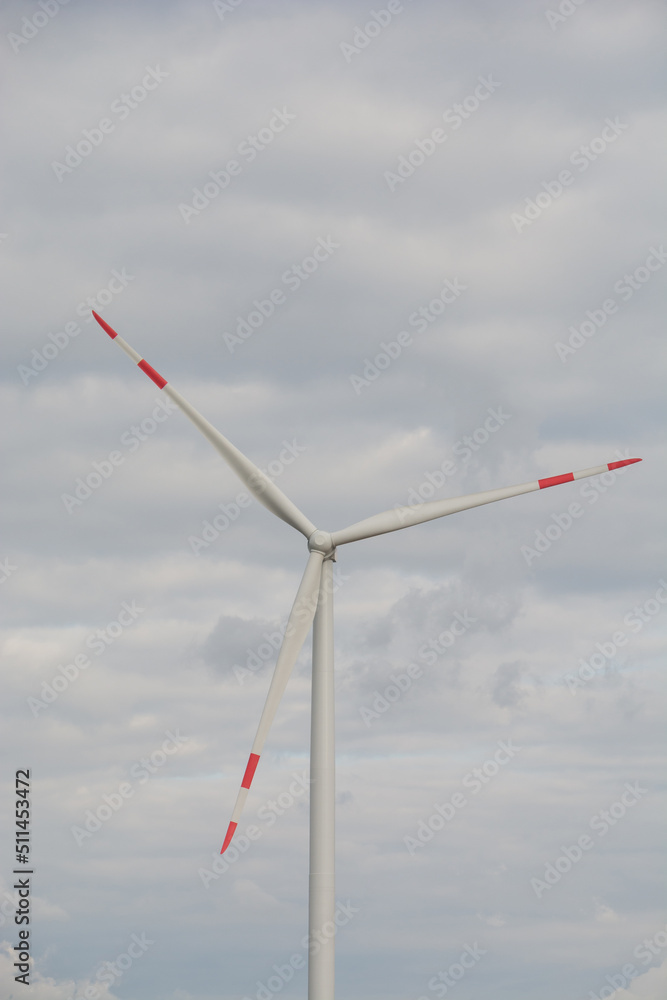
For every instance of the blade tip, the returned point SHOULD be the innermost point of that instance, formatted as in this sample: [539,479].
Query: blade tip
[231,830]
[105,326]
[626,461]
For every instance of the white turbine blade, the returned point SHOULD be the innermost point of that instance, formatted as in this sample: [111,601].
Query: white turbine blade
[404,517]
[258,484]
[298,626]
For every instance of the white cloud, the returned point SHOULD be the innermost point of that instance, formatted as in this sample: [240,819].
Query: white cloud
[648,986]
[45,987]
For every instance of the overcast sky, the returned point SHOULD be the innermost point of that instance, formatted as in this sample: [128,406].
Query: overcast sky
[394,252]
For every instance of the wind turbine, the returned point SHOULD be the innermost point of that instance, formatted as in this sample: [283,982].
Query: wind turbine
[313,605]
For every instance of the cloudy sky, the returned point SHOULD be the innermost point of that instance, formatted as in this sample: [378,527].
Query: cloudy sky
[394,253]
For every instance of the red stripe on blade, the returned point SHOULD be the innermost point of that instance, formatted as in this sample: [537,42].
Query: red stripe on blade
[619,465]
[556,480]
[105,326]
[231,829]
[157,378]
[253,761]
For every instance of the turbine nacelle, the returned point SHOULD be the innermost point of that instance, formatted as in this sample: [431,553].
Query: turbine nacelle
[322,541]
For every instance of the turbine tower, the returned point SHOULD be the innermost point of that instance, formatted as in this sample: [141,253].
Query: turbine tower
[313,605]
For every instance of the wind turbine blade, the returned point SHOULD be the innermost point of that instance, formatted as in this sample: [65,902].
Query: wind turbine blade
[298,626]
[404,517]
[253,478]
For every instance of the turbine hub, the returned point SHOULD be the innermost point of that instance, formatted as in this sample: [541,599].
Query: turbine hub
[321,541]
